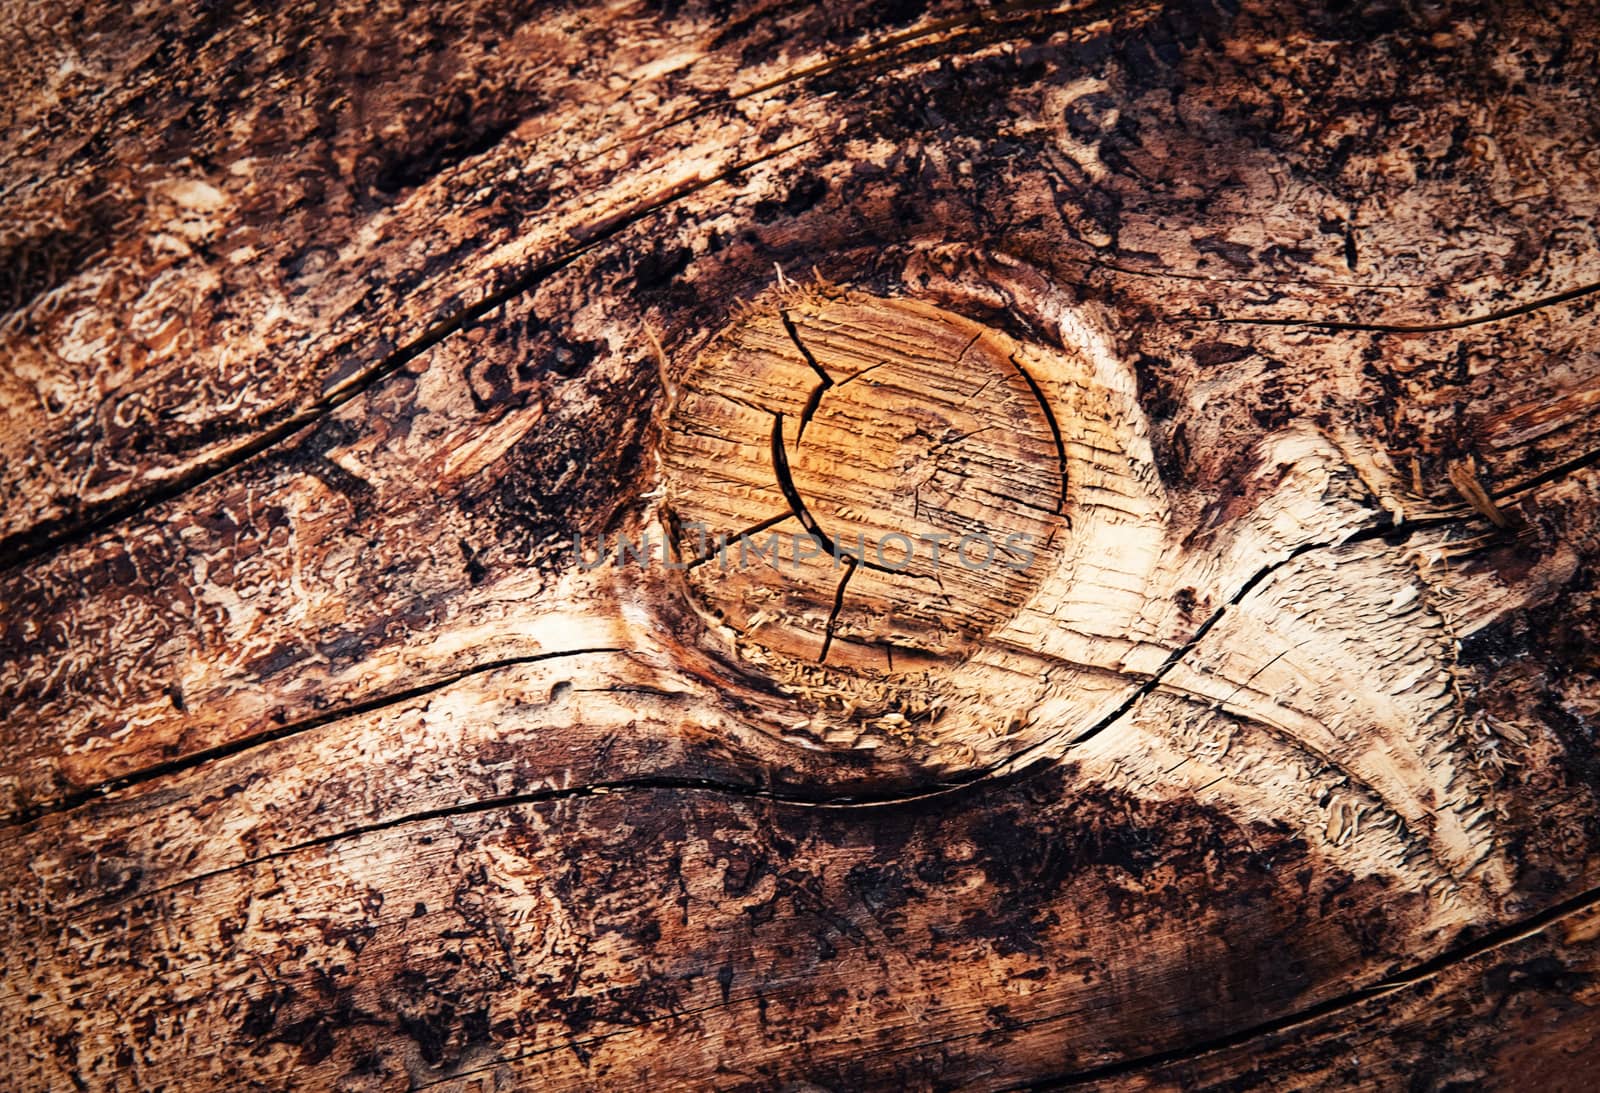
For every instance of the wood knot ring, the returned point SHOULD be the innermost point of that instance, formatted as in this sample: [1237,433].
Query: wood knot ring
[861,489]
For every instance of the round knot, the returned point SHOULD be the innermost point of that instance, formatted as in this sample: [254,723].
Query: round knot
[861,490]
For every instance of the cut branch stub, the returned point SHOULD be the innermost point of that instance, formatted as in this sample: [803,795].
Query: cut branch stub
[863,490]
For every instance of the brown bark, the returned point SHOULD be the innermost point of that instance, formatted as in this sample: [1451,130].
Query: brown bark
[329,763]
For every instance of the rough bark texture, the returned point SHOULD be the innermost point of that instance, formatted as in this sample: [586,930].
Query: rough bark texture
[330,763]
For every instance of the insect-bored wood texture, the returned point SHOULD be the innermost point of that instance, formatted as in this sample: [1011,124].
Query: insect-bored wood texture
[341,345]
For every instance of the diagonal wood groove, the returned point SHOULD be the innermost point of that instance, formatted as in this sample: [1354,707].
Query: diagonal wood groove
[1553,474]
[27,547]
[984,27]
[1417,974]
[193,760]
[1406,328]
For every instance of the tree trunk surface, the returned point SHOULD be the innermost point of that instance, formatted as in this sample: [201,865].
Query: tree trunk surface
[756,545]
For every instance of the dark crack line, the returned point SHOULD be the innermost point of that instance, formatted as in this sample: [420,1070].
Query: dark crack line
[810,410]
[833,615]
[815,400]
[469,808]
[959,437]
[794,336]
[982,387]
[1409,328]
[28,546]
[1055,427]
[1018,760]
[724,544]
[227,750]
[1545,478]
[1024,502]
[1417,974]
[791,493]
[852,377]
[961,356]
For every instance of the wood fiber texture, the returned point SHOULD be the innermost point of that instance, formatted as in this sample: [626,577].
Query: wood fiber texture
[336,339]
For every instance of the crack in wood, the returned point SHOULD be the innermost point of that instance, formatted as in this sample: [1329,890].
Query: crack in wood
[1495,939]
[815,399]
[197,759]
[791,493]
[754,529]
[810,410]
[797,505]
[1553,474]
[1404,328]
[833,615]
[811,361]
[1176,656]
[1050,420]
[26,547]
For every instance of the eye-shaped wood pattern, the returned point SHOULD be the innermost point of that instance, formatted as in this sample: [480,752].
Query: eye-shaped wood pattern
[824,416]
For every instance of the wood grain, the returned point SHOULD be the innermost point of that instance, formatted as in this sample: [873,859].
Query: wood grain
[331,763]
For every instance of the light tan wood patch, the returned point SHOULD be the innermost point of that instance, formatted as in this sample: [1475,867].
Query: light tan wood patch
[863,486]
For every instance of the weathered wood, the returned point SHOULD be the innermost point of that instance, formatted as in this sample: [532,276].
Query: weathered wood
[1508,1012]
[330,762]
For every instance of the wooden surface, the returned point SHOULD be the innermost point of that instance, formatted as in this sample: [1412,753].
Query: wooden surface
[330,764]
